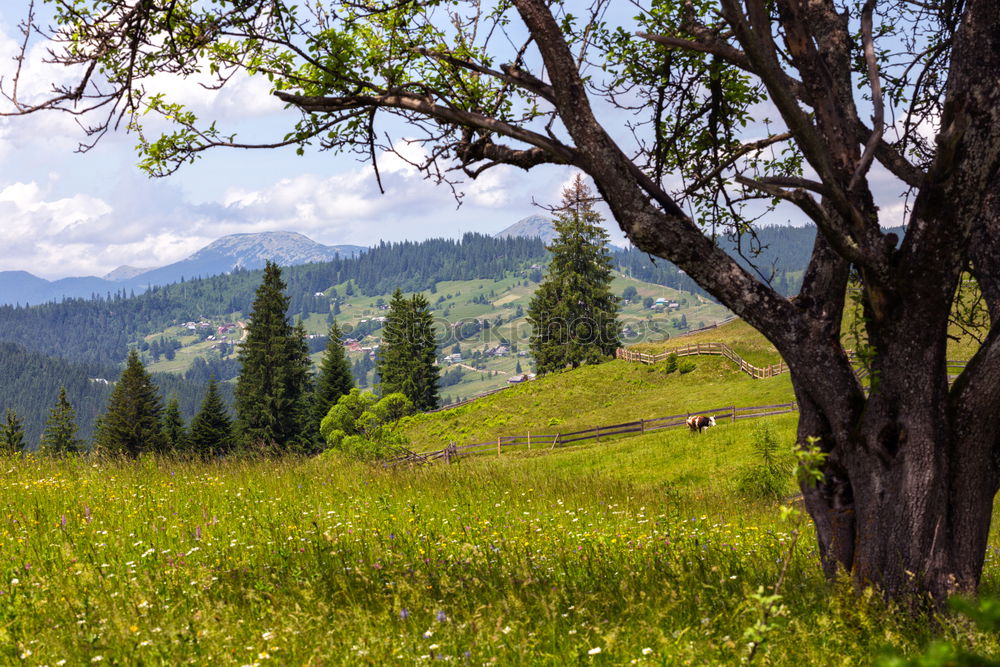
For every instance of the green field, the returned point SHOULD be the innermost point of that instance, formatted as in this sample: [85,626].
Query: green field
[635,550]
[590,396]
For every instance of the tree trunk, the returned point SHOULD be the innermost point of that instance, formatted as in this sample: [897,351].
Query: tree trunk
[903,506]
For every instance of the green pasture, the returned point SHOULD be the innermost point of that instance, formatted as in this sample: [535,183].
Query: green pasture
[602,395]
[635,551]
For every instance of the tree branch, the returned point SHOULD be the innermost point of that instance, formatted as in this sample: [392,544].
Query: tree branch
[873,80]
[402,101]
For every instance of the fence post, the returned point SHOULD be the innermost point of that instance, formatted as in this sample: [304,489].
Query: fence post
[529,441]
[642,425]
[598,434]
[734,414]
[555,441]
[498,446]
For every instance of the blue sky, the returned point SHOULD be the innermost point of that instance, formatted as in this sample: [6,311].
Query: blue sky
[64,213]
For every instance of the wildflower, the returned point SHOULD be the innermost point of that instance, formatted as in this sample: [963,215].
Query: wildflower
[15,581]
[267,635]
[594,651]
[441,617]
[26,654]
[433,647]
[506,630]
[97,658]
[647,651]
[428,634]
[404,613]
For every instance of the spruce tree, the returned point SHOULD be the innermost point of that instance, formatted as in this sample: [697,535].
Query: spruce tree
[131,423]
[211,429]
[407,360]
[12,435]
[573,313]
[174,432]
[334,379]
[59,437]
[273,389]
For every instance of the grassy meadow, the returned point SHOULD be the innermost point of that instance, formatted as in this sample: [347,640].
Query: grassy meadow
[590,396]
[635,551]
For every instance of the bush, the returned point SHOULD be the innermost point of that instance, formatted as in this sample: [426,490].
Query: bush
[768,478]
[364,427]
[686,366]
[668,365]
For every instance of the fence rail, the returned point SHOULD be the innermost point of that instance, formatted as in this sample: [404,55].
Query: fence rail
[756,372]
[718,349]
[531,441]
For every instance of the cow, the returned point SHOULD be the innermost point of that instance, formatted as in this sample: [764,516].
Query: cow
[700,423]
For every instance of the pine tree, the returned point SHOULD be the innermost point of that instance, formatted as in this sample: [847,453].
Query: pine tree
[12,435]
[273,389]
[131,423]
[59,437]
[407,360]
[174,432]
[573,313]
[334,379]
[211,429]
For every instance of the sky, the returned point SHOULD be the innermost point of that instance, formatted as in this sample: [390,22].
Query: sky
[65,213]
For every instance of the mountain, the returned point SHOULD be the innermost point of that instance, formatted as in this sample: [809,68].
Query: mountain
[243,251]
[124,273]
[532,226]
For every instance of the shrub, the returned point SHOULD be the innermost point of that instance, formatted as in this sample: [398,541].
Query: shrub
[686,366]
[768,478]
[668,365]
[364,427]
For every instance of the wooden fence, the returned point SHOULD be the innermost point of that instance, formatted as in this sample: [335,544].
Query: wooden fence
[955,366]
[470,399]
[531,441]
[720,349]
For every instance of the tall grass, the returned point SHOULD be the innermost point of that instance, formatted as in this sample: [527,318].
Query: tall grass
[561,558]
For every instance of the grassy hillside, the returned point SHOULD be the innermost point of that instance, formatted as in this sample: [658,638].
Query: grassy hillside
[604,394]
[632,551]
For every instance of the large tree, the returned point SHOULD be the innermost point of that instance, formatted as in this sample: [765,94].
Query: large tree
[174,432]
[59,437]
[731,101]
[211,429]
[573,314]
[334,378]
[407,356]
[131,423]
[11,435]
[273,390]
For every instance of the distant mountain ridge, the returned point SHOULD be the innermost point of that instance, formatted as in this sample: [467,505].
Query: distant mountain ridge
[532,226]
[243,251]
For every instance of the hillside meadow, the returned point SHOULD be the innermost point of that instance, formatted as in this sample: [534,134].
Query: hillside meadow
[601,395]
[636,551]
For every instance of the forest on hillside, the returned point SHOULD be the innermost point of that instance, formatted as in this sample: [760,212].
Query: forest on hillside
[99,330]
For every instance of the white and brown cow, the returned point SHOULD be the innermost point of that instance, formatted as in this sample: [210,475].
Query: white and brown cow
[700,423]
